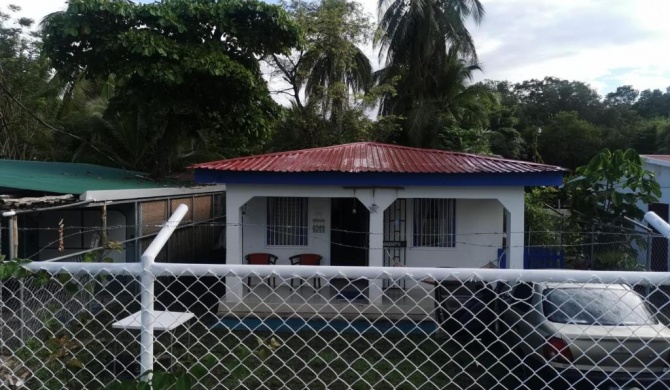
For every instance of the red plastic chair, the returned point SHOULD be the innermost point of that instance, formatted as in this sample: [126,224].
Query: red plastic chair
[261,259]
[307,259]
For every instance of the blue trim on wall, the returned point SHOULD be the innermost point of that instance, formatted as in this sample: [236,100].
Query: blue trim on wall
[366,179]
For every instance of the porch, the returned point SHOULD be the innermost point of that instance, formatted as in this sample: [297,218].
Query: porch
[375,205]
[339,299]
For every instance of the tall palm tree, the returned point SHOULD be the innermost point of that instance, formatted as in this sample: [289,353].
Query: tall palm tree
[334,67]
[421,41]
[455,101]
[415,33]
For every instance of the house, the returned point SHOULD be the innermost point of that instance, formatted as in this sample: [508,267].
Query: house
[373,204]
[660,166]
[60,211]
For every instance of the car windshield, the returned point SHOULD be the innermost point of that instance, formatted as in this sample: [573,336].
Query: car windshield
[595,306]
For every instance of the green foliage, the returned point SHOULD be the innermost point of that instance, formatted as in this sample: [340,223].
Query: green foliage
[610,187]
[507,142]
[431,56]
[24,75]
[541,100]
[653,104]
[14,269]
[618,260]
[161,380]
[578,139]
[329,77]
[186,68]
[543,225]
[504,138]
[465,140]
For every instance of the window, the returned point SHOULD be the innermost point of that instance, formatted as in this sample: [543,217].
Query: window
[287,222]
[596,306]
[435,223]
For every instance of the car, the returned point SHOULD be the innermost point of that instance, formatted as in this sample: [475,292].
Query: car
[590,336]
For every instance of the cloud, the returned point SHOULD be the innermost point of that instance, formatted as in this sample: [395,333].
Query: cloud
[34,9]
[605,43]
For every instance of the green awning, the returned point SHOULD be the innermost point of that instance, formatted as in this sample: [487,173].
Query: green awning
[69,178]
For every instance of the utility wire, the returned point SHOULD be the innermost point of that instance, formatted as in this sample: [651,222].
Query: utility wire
[45,124]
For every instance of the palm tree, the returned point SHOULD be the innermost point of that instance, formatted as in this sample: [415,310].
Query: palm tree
[430,59]
[416,33]
[334,67]
[327,76]
[454,102]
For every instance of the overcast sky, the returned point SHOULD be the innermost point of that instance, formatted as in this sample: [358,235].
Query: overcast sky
[605,43]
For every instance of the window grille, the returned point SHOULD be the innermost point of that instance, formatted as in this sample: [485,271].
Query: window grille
[287,221]
[435,223]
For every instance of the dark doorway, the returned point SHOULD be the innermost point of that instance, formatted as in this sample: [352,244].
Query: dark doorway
[659,245]
[349,234]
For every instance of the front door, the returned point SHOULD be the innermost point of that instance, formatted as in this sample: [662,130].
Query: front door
[349,233]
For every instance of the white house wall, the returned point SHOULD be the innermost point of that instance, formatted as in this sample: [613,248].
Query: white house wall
[254,220]
[661,170]
[479,230]
[479,227]
[479,210]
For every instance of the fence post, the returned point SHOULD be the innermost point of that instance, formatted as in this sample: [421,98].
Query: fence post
[147,294]
[650,241]
[593,244]
[13,246]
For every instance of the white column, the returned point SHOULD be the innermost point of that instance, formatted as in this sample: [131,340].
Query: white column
[514,212]
[234,252]
[376,201]
[376,253]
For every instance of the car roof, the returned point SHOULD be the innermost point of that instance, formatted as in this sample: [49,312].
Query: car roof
[613,286]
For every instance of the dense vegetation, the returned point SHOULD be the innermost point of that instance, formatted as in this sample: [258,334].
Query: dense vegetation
[155,87]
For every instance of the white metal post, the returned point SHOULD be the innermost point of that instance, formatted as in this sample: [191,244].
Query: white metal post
[147,293]
[12,238]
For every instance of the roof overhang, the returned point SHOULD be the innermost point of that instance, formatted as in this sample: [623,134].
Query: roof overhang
[656,160]
[131,194]
[381,179]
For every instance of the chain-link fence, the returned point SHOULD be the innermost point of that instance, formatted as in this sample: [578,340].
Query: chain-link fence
[588,245]
[450,328]
[93,325]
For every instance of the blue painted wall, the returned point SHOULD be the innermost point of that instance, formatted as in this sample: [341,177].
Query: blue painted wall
[207,176]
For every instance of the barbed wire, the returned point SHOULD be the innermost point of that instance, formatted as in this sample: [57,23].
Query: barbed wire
[272,228]
[585,239]
[65,236]
[436,246]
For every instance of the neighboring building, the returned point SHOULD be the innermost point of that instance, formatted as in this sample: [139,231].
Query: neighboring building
[61,211]
[660,166]
[425,208]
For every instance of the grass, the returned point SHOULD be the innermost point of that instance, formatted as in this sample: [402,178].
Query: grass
[305,360]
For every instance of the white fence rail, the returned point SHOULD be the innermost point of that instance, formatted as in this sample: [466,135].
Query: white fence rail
[94,325]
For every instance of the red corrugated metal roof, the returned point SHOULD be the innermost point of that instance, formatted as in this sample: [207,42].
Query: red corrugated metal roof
[375,157]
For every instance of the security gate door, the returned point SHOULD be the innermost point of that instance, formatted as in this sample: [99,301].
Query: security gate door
[395,239]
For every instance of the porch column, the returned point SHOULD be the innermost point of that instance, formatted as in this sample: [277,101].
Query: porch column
[514,213]
[234,250]
[376,201]
[376,254]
